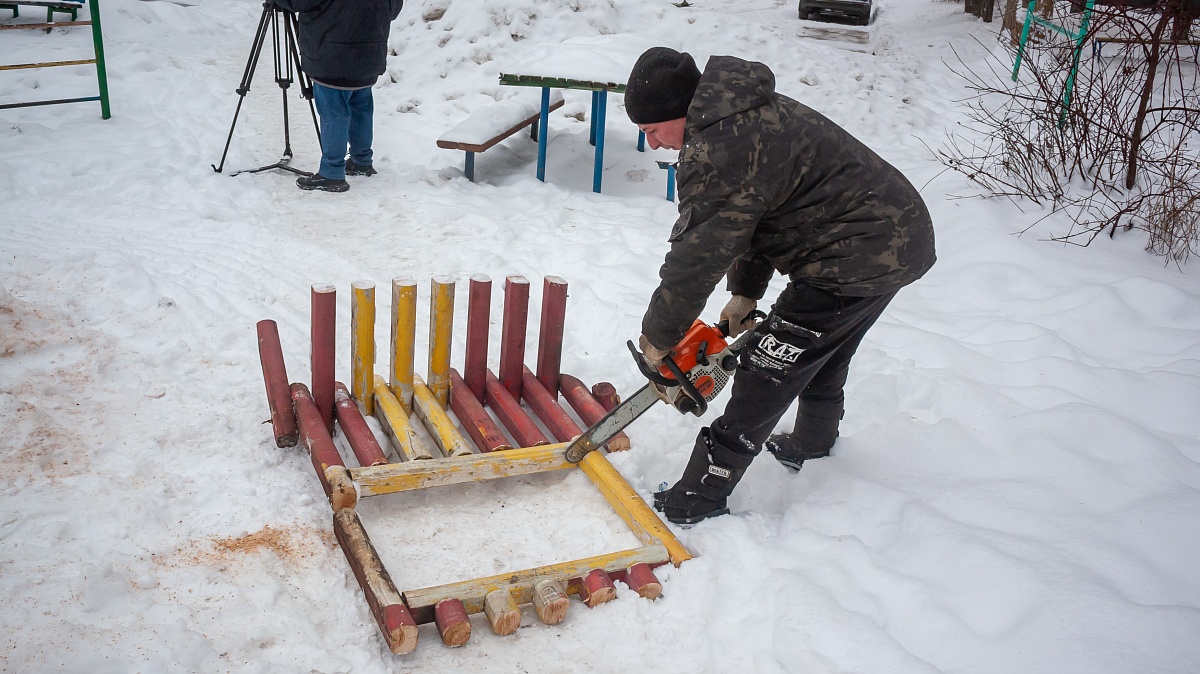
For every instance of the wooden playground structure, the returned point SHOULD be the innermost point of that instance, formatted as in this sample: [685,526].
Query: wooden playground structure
[468,446]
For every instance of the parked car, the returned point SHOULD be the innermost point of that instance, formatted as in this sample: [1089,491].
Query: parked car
[857,11]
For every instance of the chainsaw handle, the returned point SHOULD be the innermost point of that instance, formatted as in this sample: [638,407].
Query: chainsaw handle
[756,314]
[656,377]
[649,372]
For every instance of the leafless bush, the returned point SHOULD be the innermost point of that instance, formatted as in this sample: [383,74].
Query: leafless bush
[1123,155]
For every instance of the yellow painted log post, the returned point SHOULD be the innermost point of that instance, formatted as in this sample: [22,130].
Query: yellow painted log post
[441,329]
[437,422]
[625,501]
[362,345]
[389,478]
[404,337]
[395,421]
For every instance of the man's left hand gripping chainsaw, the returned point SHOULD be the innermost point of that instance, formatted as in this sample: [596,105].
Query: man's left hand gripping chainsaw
[701,365]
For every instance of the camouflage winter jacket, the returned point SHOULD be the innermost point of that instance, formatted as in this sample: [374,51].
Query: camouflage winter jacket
[767,184]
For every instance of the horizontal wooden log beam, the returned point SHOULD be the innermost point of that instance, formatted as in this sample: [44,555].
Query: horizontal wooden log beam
[393,618]
[358,434]
[520,584]
[644,523]
[589,409]
[395,477]
[395,421]
[483,431]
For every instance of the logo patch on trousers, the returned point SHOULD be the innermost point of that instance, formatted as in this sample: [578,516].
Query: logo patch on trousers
[773,353]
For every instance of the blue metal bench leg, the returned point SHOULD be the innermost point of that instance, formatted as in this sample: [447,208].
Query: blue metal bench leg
[671,183]
[469,169]
[641,141]
[592,130]
[544,122]
[601,105]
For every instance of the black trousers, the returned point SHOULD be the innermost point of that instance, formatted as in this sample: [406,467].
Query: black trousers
[801,351]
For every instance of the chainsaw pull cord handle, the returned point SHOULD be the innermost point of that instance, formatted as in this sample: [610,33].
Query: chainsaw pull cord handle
[689,389]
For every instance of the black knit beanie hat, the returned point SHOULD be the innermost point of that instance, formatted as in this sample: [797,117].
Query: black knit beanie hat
[661,86]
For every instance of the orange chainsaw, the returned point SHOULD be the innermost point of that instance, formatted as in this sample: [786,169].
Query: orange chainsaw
[694,372]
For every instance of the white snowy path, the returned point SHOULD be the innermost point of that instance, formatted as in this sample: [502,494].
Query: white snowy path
[1016,488]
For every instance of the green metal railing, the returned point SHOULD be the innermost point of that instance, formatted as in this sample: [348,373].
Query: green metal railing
[97,44]
[1076,36]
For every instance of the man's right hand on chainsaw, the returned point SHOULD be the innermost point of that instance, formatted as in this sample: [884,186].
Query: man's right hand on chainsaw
[737,313]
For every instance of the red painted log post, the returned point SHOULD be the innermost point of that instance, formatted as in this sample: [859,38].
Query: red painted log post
[279,395]
[452,622]
[512,333]
[479,309]
[359,436]
[606,394]
[596,588]
[589,409]
[550,333]
[512,415]
[641,579]
[324,341]
[543,405]
[321,451]
[483,431]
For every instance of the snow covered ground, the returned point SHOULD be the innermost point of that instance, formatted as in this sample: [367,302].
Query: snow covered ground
[1016,488]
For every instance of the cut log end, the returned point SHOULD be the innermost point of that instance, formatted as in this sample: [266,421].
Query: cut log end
[401,629]
[619,443]
[342,494]
[452,622]
[502,612]
[550,602]
[641,579]
[596,588]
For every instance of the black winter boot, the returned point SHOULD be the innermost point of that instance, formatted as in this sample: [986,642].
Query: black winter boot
[317,181]
[708,480]
[353,169]
[812,437]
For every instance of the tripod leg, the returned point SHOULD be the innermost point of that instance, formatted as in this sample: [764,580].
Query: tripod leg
[247,77]
[305,84]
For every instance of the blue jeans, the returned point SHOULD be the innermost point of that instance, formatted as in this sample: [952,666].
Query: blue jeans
[345,120]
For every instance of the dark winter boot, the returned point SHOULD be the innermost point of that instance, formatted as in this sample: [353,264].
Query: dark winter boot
[353,169]
[711,474]
[317,181]
[812,437]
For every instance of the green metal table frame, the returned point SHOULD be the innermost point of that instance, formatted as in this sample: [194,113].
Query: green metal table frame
[97,45]
[600,91]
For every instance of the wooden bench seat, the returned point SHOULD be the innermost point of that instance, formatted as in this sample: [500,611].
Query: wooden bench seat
[493,122]
[64,6]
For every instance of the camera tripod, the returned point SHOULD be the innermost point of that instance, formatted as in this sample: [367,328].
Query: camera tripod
[283,27]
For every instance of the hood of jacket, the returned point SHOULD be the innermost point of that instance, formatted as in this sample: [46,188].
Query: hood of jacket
[728,86]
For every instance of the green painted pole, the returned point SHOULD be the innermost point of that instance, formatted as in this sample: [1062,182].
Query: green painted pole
[1024,37]
[98,43]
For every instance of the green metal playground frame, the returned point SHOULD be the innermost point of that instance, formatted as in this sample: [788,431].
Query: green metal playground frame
[97,44]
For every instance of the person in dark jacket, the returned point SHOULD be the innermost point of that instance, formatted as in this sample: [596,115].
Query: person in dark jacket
[343,50]
[767,184]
